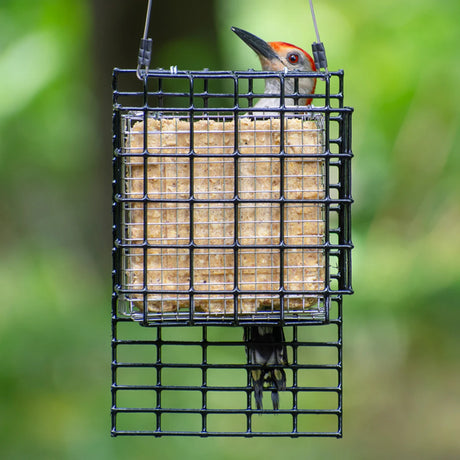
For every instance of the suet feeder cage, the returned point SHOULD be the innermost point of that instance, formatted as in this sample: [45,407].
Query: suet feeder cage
[226,216]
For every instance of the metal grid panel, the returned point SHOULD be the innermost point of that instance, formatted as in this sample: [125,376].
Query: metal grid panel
[229,216]
[199,237]
[194,381]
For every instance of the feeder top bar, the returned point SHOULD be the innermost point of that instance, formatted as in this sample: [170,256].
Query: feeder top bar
[230,73]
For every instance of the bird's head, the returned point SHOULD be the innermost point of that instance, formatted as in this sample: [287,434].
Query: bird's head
[277,56]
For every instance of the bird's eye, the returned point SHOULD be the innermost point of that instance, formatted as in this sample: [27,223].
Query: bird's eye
[293,58]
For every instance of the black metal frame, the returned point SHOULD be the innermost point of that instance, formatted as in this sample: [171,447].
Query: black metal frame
[137,350]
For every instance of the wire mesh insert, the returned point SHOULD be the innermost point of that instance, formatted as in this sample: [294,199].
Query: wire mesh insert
[210,220]
[227,214]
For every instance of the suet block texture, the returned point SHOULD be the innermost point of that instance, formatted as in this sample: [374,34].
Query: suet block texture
[300,181]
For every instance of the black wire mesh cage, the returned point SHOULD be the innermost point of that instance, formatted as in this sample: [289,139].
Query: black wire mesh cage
[228,214]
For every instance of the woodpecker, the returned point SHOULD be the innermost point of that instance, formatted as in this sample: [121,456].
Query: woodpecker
[278,57]
[265,345]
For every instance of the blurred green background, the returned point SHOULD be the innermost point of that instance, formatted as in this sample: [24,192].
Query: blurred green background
[402,68]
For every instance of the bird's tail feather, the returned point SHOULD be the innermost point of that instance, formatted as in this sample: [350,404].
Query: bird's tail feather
[279,379]
[275,399]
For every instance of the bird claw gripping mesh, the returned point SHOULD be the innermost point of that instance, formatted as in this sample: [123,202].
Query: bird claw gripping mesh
[226,214]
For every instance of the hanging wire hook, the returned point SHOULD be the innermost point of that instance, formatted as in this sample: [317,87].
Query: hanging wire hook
[145,47]
[319,53]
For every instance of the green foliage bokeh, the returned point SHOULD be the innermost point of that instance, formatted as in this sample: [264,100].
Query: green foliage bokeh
[402,68]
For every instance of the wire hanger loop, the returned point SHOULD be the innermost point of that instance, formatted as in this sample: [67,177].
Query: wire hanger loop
[319,52]
[145,47]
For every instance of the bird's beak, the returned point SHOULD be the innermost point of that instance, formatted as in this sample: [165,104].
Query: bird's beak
[261,47]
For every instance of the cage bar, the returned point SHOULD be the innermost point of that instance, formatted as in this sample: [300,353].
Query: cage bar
[227,214]
[196,383]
